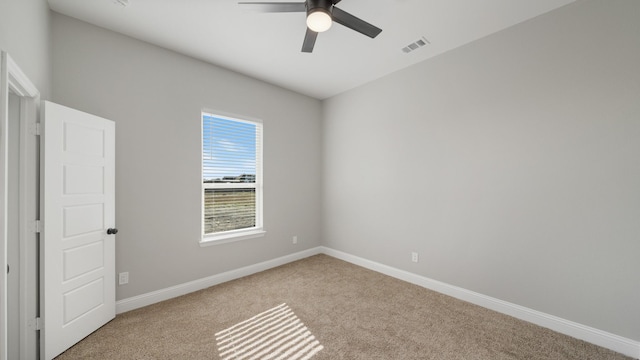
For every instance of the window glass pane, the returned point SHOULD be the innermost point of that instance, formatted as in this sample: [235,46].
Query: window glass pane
[228,150]
[229,209]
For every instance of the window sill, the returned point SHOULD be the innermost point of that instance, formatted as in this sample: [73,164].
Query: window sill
[231,237]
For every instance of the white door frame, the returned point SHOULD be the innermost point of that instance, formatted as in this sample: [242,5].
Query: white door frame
[13,80]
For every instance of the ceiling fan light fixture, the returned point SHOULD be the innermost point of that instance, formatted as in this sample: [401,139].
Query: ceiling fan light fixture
[320,16]
[319,20]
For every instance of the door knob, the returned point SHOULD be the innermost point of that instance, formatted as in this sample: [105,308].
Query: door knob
[112,231]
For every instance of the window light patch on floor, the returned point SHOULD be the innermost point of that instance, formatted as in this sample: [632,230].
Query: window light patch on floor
[275,334]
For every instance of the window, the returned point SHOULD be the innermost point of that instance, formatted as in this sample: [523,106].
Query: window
[231,179]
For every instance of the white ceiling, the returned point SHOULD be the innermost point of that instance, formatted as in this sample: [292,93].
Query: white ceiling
[267,46]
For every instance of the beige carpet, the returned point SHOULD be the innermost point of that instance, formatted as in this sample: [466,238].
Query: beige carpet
[354,313]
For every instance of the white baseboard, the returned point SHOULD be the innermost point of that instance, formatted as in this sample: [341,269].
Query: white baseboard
[153,297]
[598,337]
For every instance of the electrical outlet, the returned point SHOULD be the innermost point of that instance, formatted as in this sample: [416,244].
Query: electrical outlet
[414,256]
[123,278]
[294,240]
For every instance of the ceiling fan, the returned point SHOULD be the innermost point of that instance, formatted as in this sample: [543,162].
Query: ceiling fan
[320,15]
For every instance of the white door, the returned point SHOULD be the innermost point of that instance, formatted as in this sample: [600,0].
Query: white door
[78,204]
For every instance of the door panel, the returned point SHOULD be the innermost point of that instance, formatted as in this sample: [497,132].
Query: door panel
[83,259]
[83,179]
[77,254]
[82,220]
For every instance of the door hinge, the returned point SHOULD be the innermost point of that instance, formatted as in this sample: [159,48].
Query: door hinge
[35,324]
[36,226]
[35,129]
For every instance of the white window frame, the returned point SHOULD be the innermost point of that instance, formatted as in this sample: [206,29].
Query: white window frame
[239,234]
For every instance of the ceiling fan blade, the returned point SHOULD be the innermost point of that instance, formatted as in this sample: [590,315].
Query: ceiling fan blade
[335,1]
[354,23]
[275,6]
[309,41]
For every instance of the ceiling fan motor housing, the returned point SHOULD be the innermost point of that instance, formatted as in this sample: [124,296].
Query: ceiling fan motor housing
[319,5]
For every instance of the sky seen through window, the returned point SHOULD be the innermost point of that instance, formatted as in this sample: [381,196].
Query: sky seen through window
[228,148]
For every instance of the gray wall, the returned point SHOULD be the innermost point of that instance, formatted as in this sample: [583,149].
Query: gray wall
[24,34]
[511,165]
[155,96]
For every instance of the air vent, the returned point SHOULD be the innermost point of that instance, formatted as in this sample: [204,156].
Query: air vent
[415,45]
